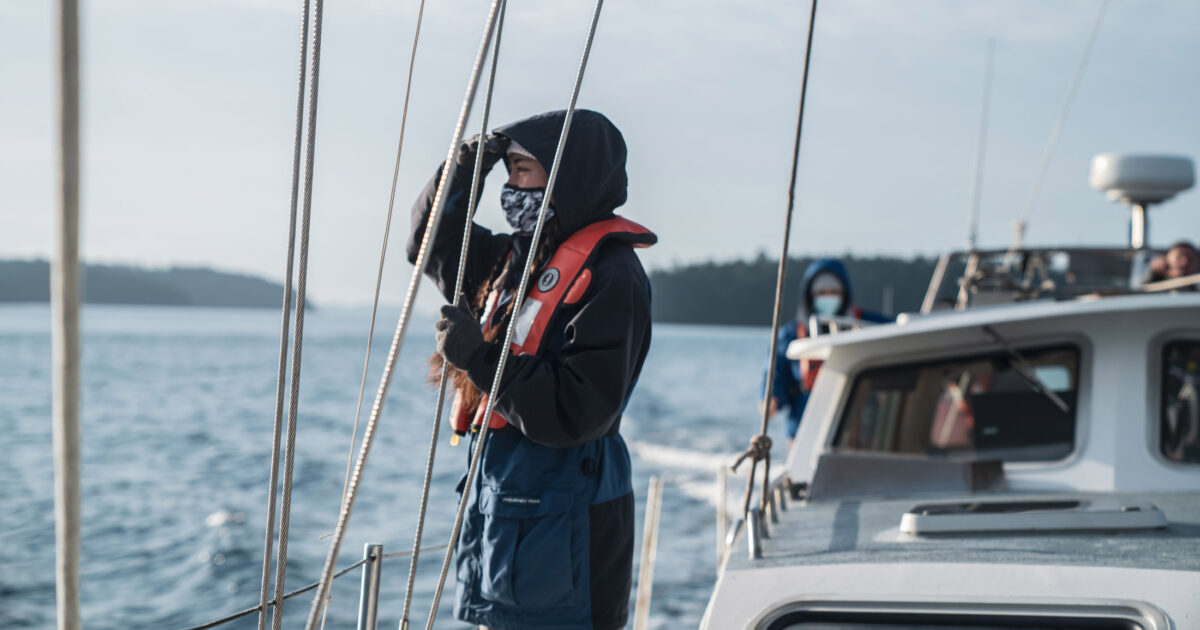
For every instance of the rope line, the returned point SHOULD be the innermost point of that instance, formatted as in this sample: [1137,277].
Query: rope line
[472,201]
[760,445]
[298,339]
[387,230]
[277,429]
[518,298]
[410,297]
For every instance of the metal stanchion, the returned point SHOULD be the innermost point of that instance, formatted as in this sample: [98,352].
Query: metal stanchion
[368,596]
[754,533]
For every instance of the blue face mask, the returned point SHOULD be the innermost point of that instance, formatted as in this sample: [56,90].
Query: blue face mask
[827,304]
[521,207]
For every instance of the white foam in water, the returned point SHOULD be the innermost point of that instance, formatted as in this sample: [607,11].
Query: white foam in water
[224,517]
[685,459]
[701,491]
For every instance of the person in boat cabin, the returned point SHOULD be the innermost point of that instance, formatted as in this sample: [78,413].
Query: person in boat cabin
[825,291]
[548,536]
[1179,261]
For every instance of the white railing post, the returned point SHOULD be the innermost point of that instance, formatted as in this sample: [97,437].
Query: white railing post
[649,553]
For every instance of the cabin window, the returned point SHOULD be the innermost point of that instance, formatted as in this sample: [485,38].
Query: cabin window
[1180,423]
[986,406]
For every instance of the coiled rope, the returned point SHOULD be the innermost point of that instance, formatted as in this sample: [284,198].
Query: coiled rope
[273,484]
[472,200]
[410,297]
[518,299]
[298,340]
[760,445]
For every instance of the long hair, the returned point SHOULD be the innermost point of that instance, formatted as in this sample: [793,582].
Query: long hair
[505,275]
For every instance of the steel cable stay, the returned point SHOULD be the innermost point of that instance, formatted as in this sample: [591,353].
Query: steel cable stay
[387,229]
[760,445]
[277,430]
[517,300]
[431,226]
[472,202]
[298,335]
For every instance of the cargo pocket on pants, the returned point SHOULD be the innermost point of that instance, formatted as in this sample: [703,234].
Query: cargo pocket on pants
[525,558]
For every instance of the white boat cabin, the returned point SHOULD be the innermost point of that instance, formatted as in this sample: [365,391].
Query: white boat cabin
[1029,459]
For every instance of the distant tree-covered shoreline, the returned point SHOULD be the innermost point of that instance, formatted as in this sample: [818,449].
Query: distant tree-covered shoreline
[743,292]
[730,293]
[29,281]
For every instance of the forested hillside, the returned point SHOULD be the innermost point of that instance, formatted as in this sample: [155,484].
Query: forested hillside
[738,293]
[742,292]
[29,281]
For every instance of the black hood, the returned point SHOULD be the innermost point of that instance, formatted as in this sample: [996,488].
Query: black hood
[591,179]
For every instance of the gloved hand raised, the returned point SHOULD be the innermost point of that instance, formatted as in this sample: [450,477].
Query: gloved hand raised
[459,336]
[494,148]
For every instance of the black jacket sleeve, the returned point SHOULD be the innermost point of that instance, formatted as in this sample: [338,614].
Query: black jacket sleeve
[486,249]
[575,393]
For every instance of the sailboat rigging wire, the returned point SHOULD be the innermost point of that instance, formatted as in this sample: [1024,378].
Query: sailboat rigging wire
[431,225]
[517,300]
[981,149]
[387,230]
[472,201]
[300,591]
[1056,131]
[301,286]
[760,446]
[277,428]
[64,315]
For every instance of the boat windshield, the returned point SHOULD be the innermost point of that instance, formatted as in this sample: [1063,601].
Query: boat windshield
[1181,402]
[973,407]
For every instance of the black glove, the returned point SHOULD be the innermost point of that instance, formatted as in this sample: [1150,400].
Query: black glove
[494,148]
[459,336]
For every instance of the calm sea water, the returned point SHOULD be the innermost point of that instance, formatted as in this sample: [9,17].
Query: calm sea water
[177,412]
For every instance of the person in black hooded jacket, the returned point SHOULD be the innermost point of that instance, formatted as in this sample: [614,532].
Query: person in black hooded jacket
[548,538]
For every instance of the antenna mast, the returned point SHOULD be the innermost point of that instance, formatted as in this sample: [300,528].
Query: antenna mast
[1022,223]
[981,148]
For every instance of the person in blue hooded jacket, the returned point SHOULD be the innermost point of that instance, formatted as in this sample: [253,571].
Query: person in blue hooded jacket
[548,537]
[825,290]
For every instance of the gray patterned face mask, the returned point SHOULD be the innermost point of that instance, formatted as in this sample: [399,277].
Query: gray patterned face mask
[521,206]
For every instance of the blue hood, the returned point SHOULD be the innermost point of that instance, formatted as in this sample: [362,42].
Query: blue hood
[829,265]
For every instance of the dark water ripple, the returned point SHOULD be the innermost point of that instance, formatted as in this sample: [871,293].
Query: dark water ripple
[178,405]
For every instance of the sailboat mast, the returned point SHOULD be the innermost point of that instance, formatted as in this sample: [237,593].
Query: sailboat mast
[64,313]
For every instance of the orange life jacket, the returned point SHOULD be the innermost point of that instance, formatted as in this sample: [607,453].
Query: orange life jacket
[563,283]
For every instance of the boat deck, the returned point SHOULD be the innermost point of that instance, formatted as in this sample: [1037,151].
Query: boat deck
[868,531]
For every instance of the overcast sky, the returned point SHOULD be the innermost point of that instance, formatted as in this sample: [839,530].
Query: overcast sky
[189,117]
